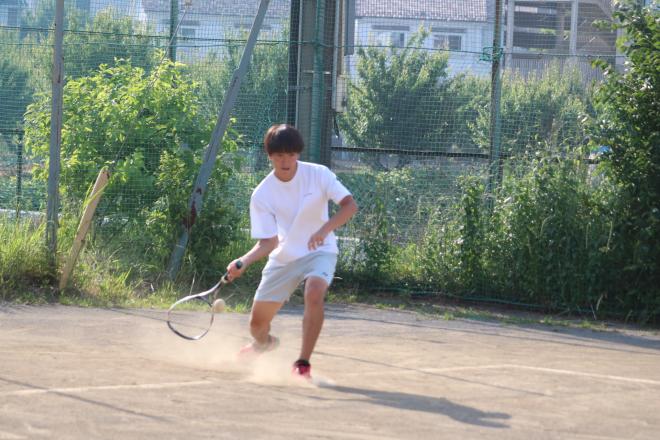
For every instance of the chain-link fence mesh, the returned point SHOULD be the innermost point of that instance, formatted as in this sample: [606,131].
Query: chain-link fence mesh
[396,96]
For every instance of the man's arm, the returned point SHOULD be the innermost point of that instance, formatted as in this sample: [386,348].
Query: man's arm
[262,249]
[347,209]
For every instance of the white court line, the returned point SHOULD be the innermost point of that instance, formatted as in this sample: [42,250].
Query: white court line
[592,375]
[4,435]
[143,386]
[412,370]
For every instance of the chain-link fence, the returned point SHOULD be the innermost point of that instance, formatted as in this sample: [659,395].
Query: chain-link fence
[405,100]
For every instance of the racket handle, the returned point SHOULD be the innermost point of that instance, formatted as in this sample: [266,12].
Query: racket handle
[238,265]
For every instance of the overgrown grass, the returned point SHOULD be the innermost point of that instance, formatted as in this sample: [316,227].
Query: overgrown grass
[546,238]
[25,275]
[106,275]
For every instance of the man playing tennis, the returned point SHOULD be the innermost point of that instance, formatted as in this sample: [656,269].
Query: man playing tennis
[289,218]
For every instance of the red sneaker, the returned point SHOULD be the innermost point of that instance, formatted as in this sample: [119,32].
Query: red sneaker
[254,349]
[302,368]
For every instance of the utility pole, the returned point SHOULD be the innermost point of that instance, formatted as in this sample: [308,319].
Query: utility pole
[53,202]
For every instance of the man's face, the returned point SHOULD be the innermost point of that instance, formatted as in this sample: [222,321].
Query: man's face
[284,164]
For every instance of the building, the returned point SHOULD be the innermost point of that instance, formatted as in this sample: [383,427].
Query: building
[560,32]
[206,25]
[461,28]
[10,12]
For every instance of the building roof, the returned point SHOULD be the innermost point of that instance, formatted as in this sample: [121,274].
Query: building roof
[445,10]
[276,8]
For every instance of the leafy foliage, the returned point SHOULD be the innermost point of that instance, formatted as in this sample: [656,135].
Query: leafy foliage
[15,89]
[262,97]
[148,129]
[628,126]
[536,112]
[399,98]
[88,42]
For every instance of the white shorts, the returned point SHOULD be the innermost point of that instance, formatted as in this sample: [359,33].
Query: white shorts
[278,282]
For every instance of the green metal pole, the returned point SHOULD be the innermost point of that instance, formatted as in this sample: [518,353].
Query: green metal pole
[495,166]
[317,85]
[174,19]
[19,175]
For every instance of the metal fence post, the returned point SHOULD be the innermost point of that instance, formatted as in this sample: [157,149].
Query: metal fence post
[210,155]
[317,85]
[174,19]
[19,175]
[52,206]
[495,165]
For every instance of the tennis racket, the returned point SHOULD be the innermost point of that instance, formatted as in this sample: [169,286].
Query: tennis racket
[191,317]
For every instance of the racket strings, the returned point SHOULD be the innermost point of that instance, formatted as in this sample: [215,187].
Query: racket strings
[191,319]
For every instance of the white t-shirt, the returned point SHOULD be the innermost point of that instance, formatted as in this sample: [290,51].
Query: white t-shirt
[294,210]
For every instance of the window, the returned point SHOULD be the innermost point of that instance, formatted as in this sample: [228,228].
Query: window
[187,32]
[447,42]
[12,16]
[384,38]
[83,5]
[398,39]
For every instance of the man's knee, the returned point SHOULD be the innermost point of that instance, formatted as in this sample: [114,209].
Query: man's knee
[258,324]
[315,290]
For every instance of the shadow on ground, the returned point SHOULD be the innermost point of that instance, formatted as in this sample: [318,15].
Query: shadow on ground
[436,405]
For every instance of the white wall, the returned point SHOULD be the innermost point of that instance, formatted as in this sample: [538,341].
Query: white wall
[474,36]
[214,27]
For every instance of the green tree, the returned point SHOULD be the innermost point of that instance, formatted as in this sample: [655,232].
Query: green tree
[88,42]
[399,100]
[628,125]
[149,130]
[536,111]
[105,37]
[15,89]
[262,98]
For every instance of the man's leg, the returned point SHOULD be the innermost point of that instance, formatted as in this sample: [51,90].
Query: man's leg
[315,289]
[260,319]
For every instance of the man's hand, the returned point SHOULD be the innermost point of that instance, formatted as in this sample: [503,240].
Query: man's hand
[262,249]
[317,239]
[347,209]
[233,271]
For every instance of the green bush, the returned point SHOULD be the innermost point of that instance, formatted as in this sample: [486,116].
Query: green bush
[15,88]
[628,126]
[545,243]
[537,111]
[452,249]
[148,129]
[399,98]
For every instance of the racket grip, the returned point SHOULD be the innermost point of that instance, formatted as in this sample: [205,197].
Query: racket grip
[238,265]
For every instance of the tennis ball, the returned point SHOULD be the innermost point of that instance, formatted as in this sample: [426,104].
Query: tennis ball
[219,305]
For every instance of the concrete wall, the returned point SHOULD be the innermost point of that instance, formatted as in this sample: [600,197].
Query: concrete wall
[474,36]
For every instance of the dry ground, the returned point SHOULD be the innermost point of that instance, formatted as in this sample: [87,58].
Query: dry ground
[74,373]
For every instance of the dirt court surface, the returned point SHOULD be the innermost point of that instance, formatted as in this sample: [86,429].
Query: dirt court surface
[73,373]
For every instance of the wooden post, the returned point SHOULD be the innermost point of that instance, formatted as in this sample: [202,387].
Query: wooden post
[53,202]
[83,227]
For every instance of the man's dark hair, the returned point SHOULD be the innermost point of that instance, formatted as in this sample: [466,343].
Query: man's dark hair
[283,138]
